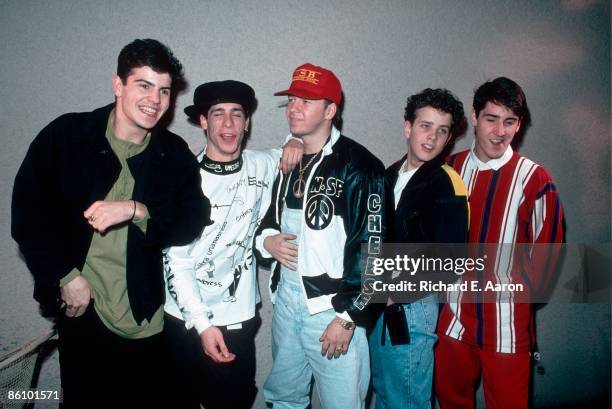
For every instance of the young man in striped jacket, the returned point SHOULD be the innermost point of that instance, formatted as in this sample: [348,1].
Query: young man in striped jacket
[513,201]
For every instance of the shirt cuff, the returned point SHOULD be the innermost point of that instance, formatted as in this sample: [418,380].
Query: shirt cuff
[290,137]
[345,316]
[259,240]
[74,273]
[201,324]
[142,223]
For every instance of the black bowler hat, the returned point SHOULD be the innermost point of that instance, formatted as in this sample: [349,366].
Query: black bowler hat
[217,92]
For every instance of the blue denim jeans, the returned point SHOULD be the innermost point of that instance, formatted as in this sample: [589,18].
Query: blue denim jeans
[402,374]
[341,383]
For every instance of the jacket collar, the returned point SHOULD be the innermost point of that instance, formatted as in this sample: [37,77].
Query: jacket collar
[335,135]
[494,164]
[327,148]
[97,129]
[421,175]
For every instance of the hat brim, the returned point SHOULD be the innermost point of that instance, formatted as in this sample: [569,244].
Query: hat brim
[193,114]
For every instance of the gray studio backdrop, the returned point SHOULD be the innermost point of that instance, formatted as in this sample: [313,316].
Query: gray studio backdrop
[59,56]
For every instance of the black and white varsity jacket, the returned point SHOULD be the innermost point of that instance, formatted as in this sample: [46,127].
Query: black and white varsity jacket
[343,209]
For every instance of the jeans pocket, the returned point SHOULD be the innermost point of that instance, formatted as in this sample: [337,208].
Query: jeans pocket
[430,316]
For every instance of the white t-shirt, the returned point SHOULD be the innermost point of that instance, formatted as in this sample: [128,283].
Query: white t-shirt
[402,180]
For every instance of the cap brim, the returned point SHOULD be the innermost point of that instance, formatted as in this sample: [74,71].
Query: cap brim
[285,92]
[300,93]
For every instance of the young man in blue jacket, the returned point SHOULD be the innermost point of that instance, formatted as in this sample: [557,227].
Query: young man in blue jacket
[96,199]
[426,203]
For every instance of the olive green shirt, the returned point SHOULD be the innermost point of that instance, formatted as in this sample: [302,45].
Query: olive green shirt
[105,265]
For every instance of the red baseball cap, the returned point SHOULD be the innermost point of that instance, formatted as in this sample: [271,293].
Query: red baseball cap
[314,82]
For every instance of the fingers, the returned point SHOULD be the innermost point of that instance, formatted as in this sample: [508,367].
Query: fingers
[87,213]
[289,162]
[73,311]
[325,347]
[287,264]
[333,350]
[335,341]
[214,346]
[328,347]
[77,295]
[226,355]
[283,250]
[104,214]
[288,236]
[288,250]
[93,214]
[284,165]
[292,153]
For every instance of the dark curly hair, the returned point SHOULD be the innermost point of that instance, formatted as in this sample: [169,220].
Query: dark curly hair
[149,53]
[440,99]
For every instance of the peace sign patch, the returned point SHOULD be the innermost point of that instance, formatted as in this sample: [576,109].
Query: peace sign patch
[319,212]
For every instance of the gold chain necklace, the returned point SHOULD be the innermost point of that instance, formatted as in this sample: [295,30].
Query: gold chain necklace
[300,184]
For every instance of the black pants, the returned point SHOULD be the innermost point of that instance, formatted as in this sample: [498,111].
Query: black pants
[196,378]
[101,369]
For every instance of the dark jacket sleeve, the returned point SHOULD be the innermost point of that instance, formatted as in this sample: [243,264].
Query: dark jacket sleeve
[364,225]
[36,219]
[180,218]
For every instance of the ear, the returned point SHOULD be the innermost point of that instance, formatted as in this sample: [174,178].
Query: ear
[246,124]
[407,129]
[117,85]
[474,118]
[330,111]
[203,122]
[518,126]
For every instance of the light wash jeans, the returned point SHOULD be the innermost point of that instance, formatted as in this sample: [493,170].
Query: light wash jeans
[402,374]
[341,383]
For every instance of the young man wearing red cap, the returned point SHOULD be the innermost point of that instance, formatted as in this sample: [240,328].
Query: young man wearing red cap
[320,216]
[212,292]
[513,201]
[97,198]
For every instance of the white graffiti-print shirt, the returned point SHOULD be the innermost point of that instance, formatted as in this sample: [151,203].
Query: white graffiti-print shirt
[212,280]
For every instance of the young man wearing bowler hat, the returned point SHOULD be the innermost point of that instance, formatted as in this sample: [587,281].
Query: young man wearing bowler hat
[320,216]
[212,293]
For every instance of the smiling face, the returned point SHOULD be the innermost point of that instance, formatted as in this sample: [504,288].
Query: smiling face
[224,125]
[427,136]
[310,118]
[494,129]
[140,102]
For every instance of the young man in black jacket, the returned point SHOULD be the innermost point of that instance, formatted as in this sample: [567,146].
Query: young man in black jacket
[320,216]
[426,203]
[97,197]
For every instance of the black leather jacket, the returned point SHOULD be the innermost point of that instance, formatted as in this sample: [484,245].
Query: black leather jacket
[69,166]
[431,209]
[343,209]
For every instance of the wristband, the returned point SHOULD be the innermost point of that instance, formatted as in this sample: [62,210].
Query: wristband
[133,211]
